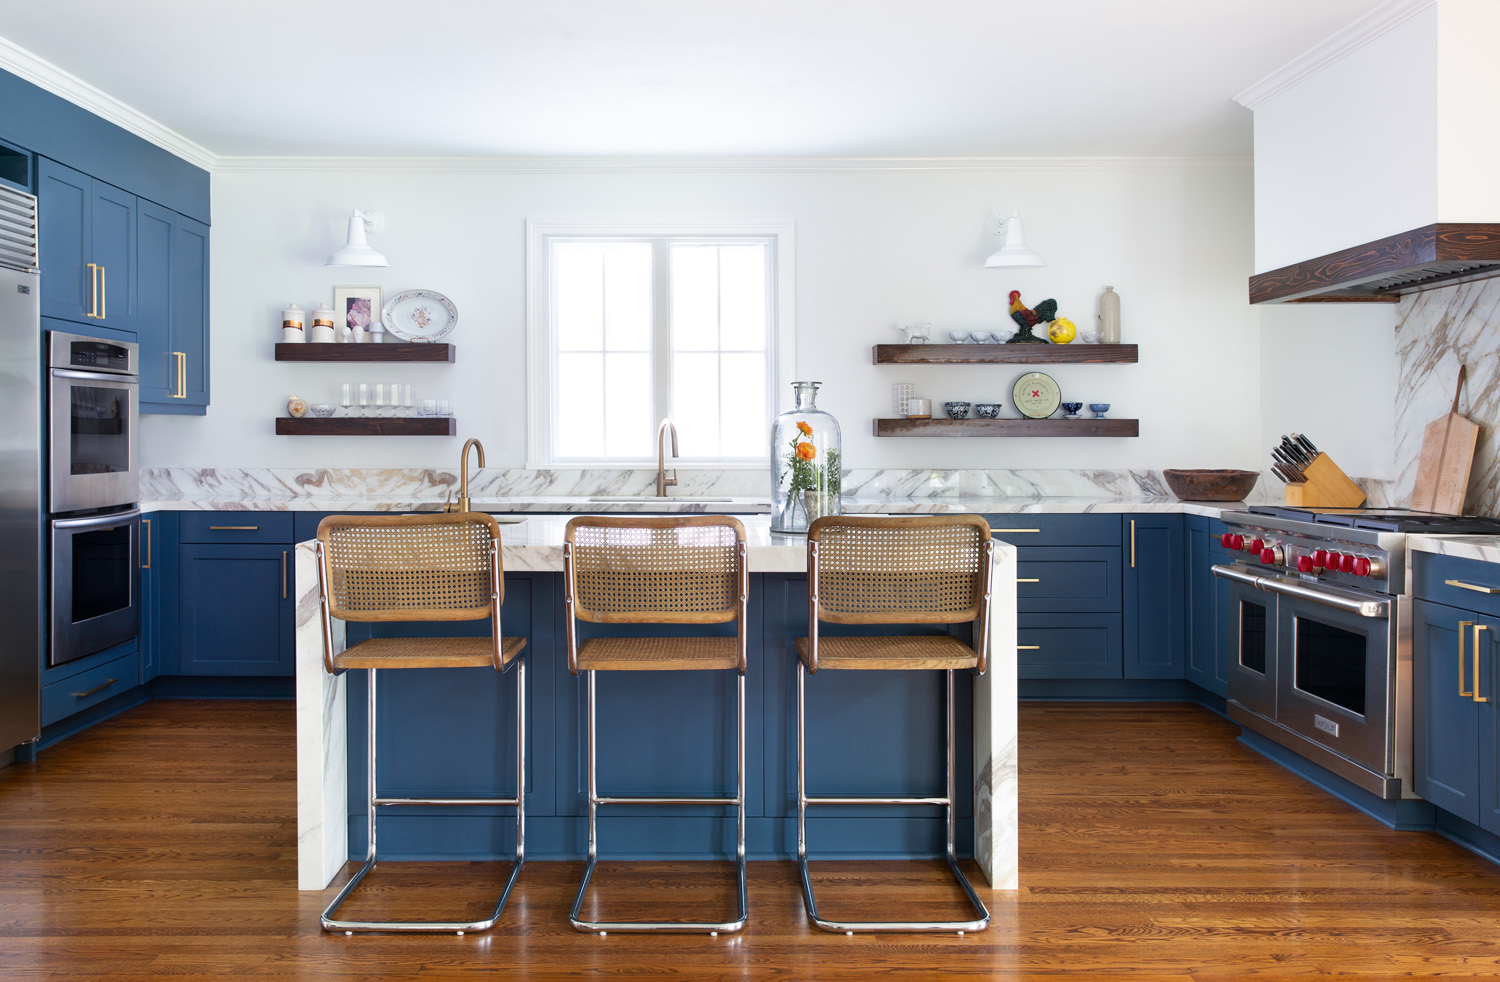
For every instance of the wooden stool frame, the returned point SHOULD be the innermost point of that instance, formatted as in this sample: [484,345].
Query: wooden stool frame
[936,651]
[502,650]
[580,609]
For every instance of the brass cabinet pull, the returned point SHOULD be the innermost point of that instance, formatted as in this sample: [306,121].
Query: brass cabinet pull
[234,528]
[1462,667]
[283,574]
[97,688]
[1132,543]
[1477,696]
[1015,530]
[1470,586]
[181,392]
[147,564]
[103,295]
[93,310]
[1028,647]
[1028,579]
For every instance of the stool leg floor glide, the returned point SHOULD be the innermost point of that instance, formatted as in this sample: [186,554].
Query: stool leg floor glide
[595,800]
[803,800]
[375,801]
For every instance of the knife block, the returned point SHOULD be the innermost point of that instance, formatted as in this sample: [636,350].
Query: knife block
[1326,486]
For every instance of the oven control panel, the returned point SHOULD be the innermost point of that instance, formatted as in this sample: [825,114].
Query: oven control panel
[1309,557]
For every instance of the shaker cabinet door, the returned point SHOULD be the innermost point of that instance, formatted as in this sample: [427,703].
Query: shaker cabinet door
[236,610]
[1445,717]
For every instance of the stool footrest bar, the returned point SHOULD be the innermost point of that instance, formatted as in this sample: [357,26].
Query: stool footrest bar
[666,801]
[447,801]
[877,801]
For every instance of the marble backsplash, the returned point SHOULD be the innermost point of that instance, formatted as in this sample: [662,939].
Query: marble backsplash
[1436,332]
[283,484]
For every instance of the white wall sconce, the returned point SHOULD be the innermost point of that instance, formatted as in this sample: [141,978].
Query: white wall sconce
[357,252]
[1013,251]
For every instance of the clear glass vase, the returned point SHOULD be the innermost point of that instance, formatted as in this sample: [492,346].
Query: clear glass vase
[806,462]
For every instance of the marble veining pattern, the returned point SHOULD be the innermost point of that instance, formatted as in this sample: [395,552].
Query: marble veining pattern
[1485,548]
[1436,331]
[322,738]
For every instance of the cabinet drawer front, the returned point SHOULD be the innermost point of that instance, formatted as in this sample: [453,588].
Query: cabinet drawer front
[271,528]
[1076,646]
[1068,579]
[63,698]
[1022,529]
[1474,585]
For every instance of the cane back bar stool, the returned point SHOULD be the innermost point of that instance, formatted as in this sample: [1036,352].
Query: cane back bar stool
[419,568]
[680,570]
[912,570]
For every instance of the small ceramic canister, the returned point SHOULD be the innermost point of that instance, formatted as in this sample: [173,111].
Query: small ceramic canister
[322,325]
[296,407]
[291,325]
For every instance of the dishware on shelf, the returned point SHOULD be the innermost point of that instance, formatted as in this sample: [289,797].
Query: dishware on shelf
[1109,316]
[1071,408]
[1036,395]
[362,398]
[346,398]
[419,315]
[295,406]
[429,407]
[322,410]
[958,337]
[918,408]
[407,400]
[956,410]
[987,410]
[1099,409]
[443,408]
[1088,337]
[291,325]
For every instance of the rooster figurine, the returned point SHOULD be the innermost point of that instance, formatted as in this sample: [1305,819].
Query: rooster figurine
[1044,313]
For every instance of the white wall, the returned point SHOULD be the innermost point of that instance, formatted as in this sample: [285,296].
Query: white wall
[1350,153]
[875,248]
[1468,100]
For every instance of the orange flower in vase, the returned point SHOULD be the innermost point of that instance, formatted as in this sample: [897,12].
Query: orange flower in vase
[806,450]
[805,428]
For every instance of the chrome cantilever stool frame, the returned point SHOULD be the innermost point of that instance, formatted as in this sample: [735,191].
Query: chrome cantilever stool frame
[914,570]
[679,570]
[419,568]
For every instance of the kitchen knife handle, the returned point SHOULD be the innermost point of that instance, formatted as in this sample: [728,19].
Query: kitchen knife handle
[1477,696]
[1463,667]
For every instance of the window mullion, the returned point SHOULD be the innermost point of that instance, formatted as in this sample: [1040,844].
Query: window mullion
[661,328]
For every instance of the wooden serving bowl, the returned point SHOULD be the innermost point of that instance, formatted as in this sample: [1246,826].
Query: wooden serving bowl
[1211,485]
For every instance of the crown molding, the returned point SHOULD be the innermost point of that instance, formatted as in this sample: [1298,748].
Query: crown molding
[658,165]
[42,73]
[1333,48]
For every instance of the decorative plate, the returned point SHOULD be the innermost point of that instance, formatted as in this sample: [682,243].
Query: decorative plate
[419,315]
[1036,395]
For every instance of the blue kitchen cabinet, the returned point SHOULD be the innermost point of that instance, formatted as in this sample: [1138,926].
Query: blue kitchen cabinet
[172,260]
[87,243]
[1155,593]
[152,553]
[236,609]
[1206,607]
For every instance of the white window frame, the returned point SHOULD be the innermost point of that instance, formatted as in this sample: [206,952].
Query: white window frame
[541,352]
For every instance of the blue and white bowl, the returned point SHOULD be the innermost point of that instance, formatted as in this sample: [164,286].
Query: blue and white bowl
[1099,408]
[956,410]
[987,410]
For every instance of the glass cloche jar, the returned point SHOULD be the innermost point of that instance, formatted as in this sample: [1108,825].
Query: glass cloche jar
[806,457]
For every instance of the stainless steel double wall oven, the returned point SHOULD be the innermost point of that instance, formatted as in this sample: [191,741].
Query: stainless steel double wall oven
[93,493]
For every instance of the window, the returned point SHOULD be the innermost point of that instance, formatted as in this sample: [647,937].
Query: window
[627,325]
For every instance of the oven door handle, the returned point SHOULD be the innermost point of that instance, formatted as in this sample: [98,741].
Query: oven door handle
[97,521]
[1375,609]
[116,378]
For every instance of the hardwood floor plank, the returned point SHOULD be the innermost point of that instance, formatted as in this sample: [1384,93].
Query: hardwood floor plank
[162,845]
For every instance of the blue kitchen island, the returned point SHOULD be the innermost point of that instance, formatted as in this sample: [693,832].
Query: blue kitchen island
[452,731]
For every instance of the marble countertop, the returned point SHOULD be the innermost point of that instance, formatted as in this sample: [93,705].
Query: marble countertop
[1485,548]
[730,505]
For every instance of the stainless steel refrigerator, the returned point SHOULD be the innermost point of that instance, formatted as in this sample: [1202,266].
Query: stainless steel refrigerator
[21,579]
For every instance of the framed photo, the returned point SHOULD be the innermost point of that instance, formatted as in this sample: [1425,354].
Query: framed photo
[358,307]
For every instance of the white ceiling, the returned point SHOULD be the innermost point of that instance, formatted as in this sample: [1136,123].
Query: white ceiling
[684,77]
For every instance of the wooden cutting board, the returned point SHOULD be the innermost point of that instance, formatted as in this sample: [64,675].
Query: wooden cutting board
[1447,454]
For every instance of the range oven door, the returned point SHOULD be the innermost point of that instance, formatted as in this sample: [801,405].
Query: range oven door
[1337,676]
[1252,642]
[93,446]
[95,601]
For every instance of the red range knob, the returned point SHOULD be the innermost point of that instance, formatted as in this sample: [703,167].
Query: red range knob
[1256,545]
[1346,563]
[1320,557]
[1227,540]
[1332,561]
[1361,566]
[1304,564]
[1269,556]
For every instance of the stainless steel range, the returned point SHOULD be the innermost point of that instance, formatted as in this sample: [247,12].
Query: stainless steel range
[1320,633]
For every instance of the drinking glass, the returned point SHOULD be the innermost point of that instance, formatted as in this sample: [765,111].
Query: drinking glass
[380,399]
[408,400]
[362,396]
[346,398]
[393,398]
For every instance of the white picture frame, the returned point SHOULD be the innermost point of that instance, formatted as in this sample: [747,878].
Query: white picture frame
[358,307]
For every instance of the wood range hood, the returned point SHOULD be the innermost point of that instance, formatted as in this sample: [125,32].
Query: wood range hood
[1382,271]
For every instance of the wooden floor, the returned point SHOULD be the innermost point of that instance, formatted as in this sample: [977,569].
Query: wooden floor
[162,845]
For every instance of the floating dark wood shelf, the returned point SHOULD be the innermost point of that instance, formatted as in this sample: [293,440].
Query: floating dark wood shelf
[1007,427]
[401,351]
[366,426]
[998,354]
[1384,270]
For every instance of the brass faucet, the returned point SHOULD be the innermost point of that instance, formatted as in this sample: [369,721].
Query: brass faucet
[463,466]
[662,480]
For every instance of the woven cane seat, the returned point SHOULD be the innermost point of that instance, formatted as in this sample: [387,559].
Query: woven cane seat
[901,653]
[657,654]
[428,653]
